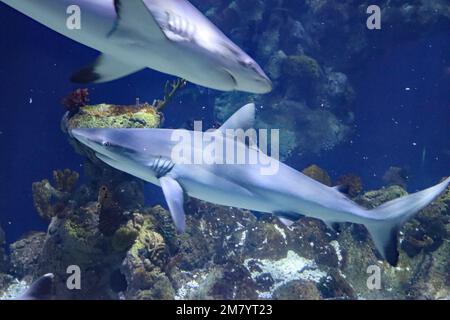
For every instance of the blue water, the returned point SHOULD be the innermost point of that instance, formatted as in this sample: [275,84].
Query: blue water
[393,123]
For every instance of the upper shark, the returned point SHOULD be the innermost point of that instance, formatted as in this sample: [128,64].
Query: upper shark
[149,154]
[170,36]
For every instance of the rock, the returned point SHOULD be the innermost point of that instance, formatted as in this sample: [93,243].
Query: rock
[351,184]
[318,174]
[396,176]
[274,66]
[113,116]
[144,263]
[375,198]
[318,71]
[3,257]
[51,200]
[423,267]
[302,68]
[298,290]
[235,283]
[25,254]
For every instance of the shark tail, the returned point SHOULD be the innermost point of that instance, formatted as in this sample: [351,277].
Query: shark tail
[387,219]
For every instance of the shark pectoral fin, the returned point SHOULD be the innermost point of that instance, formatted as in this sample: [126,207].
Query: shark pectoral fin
[174,195]
[105,68]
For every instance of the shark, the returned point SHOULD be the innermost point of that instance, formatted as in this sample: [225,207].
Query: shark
[41,289]
[287,193]
[170,36]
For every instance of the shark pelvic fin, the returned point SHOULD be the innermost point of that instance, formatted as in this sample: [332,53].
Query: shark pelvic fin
[174,195]
[287,218]
[286,221]
[105,68]
[332,226]
[243,119]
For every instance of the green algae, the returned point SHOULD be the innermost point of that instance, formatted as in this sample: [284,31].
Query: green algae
[302,67]
[114,116]
[124,238]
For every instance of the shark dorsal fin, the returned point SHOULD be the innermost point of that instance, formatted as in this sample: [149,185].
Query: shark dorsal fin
[243,119]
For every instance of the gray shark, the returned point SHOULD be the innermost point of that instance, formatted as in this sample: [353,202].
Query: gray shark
[287,193]
[41,289]
[170,36]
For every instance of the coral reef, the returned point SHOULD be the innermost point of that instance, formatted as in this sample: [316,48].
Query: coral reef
[424,256]
[75,100]
[3,258]
[128,251]
[298,290]
[314,52]
[11,288]
[318,174]
[113,116]
[170,90]
[25,254]
[396,176]
[50,201]
[5,279]
[351,184]
[140,115]
[375,198]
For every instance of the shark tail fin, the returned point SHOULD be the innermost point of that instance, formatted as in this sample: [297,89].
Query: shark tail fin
[387,219]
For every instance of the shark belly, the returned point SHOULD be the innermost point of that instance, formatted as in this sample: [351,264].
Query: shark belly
[208,183]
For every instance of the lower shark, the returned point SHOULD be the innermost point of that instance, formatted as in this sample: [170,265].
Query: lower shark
[170,36]
[287,193]
[41,289]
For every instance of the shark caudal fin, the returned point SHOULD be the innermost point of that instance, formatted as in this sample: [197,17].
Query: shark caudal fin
[390,216]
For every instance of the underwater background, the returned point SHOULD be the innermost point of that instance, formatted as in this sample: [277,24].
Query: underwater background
[367,107]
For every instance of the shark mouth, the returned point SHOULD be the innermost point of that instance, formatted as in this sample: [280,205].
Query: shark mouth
[106,159]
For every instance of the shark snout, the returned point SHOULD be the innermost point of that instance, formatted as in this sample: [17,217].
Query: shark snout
[265,84]
[87,137]
[254,80]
